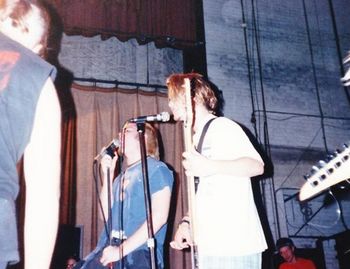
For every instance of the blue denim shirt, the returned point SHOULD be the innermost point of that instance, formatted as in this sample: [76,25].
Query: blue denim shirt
[129,211]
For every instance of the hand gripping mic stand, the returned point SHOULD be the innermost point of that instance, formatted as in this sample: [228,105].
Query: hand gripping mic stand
[150,240]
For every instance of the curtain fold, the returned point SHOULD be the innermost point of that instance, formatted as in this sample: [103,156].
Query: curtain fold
[166,22]
[68,172]
[100,115]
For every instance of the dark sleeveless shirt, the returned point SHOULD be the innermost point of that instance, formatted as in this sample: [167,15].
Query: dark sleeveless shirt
[22,76]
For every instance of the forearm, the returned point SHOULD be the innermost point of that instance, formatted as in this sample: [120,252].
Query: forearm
[160,210]
[242,167]
[42,175]
[41,210]
[138,238]
[42,164]
[41,223]
[196,164]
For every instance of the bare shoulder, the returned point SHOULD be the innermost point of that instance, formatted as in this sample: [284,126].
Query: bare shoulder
[48,100]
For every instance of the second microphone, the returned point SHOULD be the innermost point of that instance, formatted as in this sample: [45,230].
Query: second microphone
[110,149]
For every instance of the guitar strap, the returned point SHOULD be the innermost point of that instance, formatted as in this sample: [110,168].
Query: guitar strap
[199,148]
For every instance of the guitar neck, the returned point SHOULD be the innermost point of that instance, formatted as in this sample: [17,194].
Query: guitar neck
[191,192]
[326,174]
[190,184]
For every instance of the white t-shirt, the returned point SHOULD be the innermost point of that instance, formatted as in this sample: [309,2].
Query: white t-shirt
[227,220]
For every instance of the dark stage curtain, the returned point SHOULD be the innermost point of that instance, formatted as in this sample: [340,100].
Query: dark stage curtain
[168,23]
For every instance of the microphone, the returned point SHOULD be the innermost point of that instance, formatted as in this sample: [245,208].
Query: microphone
[110,149]
[163,116]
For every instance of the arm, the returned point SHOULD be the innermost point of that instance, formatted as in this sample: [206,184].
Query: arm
[196,164]
[42,165]
[231,153]
[160,209]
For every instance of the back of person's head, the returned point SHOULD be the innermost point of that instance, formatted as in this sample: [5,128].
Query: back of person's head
[200,89]
[27,22]
[284,242]
[71,262]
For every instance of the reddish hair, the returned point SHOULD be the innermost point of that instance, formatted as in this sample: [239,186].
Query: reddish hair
[200,89]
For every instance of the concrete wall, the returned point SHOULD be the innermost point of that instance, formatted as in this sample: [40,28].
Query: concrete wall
[113,60]
[282,66]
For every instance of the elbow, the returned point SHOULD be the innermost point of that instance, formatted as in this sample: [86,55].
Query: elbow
[260,168]
[162,220]
[256,168]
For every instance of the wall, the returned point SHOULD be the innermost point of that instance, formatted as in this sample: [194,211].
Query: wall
[114,60]
[278,61]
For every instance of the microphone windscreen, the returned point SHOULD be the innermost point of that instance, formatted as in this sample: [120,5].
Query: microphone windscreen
[165,116]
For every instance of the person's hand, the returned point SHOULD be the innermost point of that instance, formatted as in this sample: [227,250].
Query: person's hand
[108,162]
[110,254]
[196,164]
[182,237]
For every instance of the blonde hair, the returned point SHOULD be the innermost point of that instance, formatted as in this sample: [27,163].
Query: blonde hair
[151,140]
[151,137]
[18,10]
[6,7]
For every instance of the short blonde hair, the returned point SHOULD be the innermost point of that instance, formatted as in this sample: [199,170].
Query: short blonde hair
[17,10]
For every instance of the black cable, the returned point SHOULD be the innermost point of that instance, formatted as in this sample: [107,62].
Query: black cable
[95,176]
[244,26]
[298,161]
[266,135]
[147,64]
[121,198]
[302,115]
[308,214]
[314,74]
[254,78]
[337,43]
[265,125]
[120,217]
[310,218]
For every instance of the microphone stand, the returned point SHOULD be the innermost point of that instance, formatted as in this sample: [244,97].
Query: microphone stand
[150,240]
[110,221]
